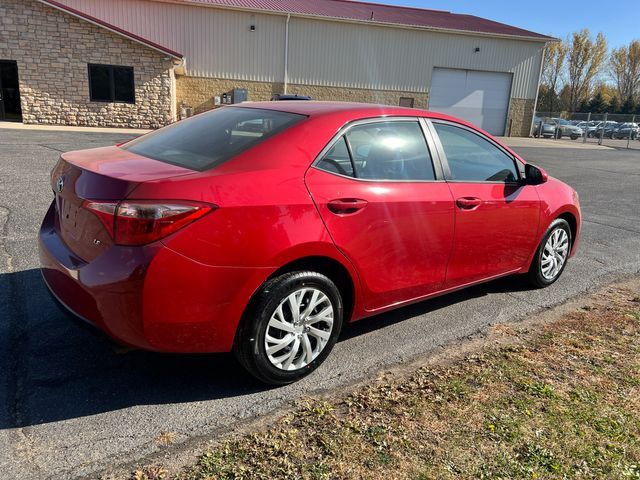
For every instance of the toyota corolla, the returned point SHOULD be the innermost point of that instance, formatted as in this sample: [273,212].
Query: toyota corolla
[262,228]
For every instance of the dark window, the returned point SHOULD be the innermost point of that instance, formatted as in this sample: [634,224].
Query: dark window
[338,160]
[109,83]
[472,158]
[206,141]
[390,151]
[406,102]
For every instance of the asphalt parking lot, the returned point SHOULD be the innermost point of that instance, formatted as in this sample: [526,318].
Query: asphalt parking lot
[607,142]
[73,405]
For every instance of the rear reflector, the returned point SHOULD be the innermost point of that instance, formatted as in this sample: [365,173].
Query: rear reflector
[141,222]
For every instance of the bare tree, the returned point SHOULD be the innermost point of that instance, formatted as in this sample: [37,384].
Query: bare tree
[553,69]
[586,59]
[624,68]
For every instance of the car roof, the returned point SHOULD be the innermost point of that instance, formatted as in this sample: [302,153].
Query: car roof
[356,110]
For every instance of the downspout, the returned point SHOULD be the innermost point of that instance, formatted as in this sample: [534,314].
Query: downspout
[286,54]
[535,102]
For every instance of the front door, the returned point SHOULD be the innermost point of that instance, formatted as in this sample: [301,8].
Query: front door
[496,217]
[10,108]
[386,209]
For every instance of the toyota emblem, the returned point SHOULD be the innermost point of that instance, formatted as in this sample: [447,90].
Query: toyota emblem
[60,184]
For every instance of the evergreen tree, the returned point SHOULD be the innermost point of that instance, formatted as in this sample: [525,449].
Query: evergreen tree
[597,104]
[628,106]
[584,107]
[614,105]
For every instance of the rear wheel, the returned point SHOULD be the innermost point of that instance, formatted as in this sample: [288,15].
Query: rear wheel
[291,328]
[551,255]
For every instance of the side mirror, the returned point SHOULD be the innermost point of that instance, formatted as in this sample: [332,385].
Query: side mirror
[534,175]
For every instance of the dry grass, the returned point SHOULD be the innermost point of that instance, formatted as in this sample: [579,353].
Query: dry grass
[166,438]
[563,402]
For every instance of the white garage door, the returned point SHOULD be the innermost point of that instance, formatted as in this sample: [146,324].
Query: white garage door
[481,98]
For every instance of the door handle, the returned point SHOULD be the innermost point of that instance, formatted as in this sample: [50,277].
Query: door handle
[468,203]
[345,206]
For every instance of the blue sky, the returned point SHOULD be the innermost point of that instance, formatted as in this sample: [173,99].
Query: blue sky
[619,21]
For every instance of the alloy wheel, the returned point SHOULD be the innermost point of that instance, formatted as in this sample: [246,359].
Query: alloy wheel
[299,329]
[554,254]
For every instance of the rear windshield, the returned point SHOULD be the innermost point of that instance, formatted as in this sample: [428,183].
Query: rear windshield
[206,141]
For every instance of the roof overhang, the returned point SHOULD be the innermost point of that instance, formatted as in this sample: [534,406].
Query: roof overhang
[112,28]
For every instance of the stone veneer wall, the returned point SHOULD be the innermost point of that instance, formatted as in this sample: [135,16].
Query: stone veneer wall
[53,48]
[199,92]
[520,117]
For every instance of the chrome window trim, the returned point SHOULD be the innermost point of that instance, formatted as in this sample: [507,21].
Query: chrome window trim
[437,169]
[445,163]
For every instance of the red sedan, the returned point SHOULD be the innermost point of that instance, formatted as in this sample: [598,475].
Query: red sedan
[262,228]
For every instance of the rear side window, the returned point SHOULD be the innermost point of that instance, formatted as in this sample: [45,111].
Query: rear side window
[471,158]
[381,151]
[338,160]
[208,140]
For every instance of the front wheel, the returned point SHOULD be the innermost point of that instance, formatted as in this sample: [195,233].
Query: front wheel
[551,255]
[291,328]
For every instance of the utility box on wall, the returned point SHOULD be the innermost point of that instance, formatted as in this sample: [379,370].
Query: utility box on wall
[239,95]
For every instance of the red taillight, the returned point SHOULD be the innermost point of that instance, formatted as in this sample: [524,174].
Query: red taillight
[141,222]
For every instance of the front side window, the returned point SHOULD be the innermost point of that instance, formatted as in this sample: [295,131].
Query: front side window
[208,140]
[111,83]
[472,158]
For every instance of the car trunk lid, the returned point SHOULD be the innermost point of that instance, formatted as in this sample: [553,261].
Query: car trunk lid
[99,174]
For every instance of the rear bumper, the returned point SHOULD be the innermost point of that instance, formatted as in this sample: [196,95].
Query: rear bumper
[149,297]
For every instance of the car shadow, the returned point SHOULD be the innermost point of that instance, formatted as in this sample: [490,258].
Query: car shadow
[511,284]
[52,368]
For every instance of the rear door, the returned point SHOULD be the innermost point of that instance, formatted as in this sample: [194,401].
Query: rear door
[496,215]
[387,208]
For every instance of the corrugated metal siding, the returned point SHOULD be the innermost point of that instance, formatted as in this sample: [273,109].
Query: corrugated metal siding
[375,13]
[342,54]
[218,43]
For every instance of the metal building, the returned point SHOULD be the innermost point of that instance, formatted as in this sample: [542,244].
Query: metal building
[471,67]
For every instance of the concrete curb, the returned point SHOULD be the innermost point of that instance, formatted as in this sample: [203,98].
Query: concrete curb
[64,128]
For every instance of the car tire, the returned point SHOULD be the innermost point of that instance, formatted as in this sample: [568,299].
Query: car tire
[574,137]
[272,311]
[536,275]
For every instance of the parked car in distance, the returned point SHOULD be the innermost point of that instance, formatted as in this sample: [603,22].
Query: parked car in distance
[626,130]
[284,97]
[212,235]
[605,129]
[567,129]
[548,128]
[589,127]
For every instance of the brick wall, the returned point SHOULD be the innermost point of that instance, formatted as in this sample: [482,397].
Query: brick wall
[53,48]
[520,117]
[199,92]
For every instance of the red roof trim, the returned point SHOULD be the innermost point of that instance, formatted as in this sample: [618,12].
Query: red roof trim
[113,28]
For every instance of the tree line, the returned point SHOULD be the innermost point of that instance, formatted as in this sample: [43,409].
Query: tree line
[581,75]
